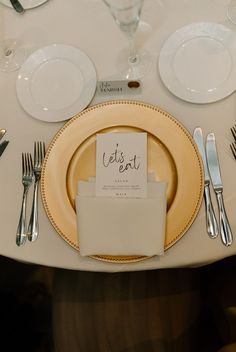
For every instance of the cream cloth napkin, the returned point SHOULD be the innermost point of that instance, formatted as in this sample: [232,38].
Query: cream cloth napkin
[121,226]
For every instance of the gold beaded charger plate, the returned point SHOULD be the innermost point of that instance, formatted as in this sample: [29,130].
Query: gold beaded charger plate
[172,156]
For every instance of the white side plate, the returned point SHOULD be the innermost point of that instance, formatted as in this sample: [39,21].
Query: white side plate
[197,63]
[56,82]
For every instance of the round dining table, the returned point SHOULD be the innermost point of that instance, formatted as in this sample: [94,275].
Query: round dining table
[89,26]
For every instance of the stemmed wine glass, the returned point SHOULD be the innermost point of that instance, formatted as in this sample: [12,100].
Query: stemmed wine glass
[12,51]
[127,15]
[12,55]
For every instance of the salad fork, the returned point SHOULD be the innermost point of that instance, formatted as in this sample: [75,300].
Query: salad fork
[27,179]
[39,153]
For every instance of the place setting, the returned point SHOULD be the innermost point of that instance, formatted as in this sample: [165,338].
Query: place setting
[123,181]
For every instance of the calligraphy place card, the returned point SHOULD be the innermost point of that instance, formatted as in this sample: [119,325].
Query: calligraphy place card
[121,165]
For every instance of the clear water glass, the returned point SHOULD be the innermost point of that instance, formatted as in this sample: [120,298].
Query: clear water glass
[126,14]
[12,51]
[12,55]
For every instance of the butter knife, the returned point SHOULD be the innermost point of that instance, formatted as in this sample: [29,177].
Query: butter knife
[3,146]
[2,132]
[214,168]
[211,223]
[17,6]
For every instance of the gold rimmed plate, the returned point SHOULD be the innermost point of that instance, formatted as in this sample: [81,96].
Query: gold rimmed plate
[172,156]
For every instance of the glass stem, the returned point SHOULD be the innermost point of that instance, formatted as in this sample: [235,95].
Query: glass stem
[133,56]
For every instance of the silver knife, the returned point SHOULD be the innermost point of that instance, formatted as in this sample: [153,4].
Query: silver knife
[17,6]
[214,168]
[211,223]
[3,146]
[2,132]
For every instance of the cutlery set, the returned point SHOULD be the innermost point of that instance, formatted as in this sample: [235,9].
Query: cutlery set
[31,172]
[212,226]
[212,172]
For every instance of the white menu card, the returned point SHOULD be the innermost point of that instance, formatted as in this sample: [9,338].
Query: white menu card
[121,165]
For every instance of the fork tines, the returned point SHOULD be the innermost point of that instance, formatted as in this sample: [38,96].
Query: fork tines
[27,164]
[233,131]
[39,152]
[233,149]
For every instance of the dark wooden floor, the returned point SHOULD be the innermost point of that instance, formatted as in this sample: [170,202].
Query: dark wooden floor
[52,310]
[169,310]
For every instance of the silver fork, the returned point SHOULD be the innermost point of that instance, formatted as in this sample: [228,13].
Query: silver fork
[233,149]
[39,153]
[233,131]
[233,145]
[27,179]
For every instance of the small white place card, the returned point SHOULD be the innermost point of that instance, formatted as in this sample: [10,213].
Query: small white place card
[118,87]
[121,165]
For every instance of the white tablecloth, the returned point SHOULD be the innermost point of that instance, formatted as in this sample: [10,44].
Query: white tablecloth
[87,24]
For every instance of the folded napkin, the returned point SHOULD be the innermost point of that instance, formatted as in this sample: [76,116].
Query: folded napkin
[121,226]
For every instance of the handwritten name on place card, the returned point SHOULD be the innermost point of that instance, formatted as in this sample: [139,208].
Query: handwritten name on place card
[118,87]
[121,165]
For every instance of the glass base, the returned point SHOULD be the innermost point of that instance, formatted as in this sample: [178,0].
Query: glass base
[231,12]
[12,55]
[134,69]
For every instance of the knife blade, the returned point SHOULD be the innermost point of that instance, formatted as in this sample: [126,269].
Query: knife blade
[215,174]
[211,223]
[3,146]
[17,6]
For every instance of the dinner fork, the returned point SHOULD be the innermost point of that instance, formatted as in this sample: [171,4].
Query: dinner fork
[233,149]
[27,179]
[233,131]
[39,153]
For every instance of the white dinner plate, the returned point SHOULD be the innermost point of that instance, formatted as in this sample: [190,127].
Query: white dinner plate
[197,63]
[27,4]
[56,82]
